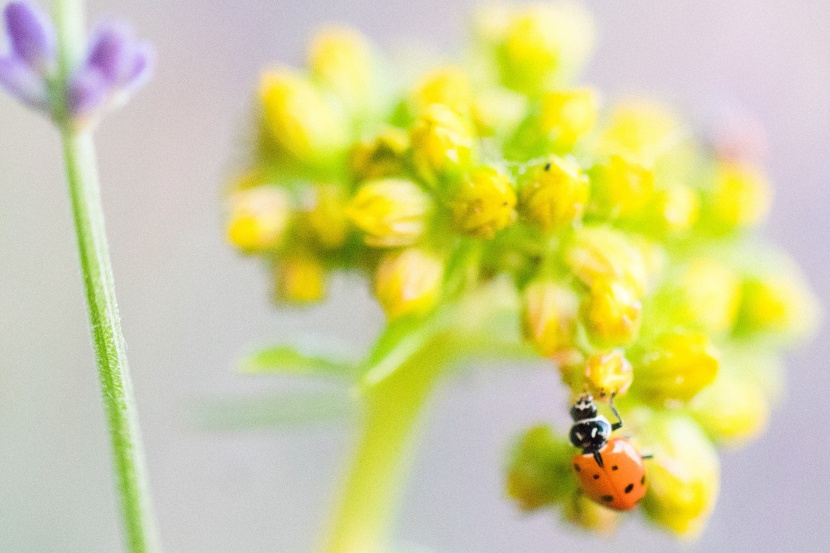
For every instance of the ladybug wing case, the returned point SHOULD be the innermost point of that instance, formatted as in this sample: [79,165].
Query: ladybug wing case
[621,483]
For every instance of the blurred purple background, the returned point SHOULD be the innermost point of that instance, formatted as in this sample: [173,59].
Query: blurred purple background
[190,306]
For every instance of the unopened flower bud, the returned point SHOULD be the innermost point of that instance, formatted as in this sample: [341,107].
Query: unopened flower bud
[675,368]
[544,44]
[778,304]
[622,187]
[641,129]
[381,156]
[301,278]
[612,313]
[483,203]
[392,212]
[549,316]
[300,126]
[683,475]
[588,514]
[258,218]
[539,472]
[705,296]
[568,115]
[442,143]
[555,194]
[674,209]
[608,374]
[409,282]
[448,86]
[741,196]
[341,60]
[732,410]
[602,253]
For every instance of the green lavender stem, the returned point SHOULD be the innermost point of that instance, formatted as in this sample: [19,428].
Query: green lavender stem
[110,348]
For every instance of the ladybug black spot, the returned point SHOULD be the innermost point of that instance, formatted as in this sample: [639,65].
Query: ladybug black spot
[629,488]
[615,467]
[607,498]
[596,477]
[577,469]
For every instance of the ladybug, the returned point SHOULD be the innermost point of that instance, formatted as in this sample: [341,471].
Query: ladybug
[610,470]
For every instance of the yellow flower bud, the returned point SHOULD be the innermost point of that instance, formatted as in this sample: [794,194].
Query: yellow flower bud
[258,218]
[341,60]
[299,124]
[409,282]
[442,143]
[741,196]
[568,115]
[549,316]
[622,187]
[392,212]
[544,44]
[555,194]
[683,476]
[301,278]
[602,253]
[326,217]
[732,410]
[641,129]
[588,514]
[381,156]
[608,374]
[612,313]
[495,110]
[448,86]
[676,367]
[779,304]
[539,472]
[483,203]
[705,296]
[674,209]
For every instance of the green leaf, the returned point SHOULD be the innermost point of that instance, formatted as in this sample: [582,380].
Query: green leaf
[307,357]
[281,410]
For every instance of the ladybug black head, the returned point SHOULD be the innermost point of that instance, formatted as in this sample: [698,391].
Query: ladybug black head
[584,408]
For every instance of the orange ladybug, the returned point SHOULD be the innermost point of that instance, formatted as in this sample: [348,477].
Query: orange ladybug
[610,470]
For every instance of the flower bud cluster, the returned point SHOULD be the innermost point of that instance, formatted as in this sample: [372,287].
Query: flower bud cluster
[623,234]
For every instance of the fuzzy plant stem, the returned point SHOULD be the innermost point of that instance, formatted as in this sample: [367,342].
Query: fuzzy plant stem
[368,504]
[110,348]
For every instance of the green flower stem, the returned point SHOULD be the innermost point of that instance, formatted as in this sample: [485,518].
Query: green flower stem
[110,348]
[369,501]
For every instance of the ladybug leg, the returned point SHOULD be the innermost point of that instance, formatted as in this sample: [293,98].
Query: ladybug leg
[615,425]
[647,457]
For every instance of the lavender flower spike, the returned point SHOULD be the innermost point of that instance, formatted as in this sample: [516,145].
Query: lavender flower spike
[114,67]
[31,35]
[24,72]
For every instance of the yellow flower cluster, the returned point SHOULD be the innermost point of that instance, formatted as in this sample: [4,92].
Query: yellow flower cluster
[625,237]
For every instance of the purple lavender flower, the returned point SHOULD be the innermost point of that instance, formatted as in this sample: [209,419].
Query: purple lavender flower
[115,65]
[25,71]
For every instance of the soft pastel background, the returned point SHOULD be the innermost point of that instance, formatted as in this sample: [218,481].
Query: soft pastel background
[191,306]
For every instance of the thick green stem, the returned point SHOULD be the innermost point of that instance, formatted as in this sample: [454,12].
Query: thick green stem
[369,501]
[110,349]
